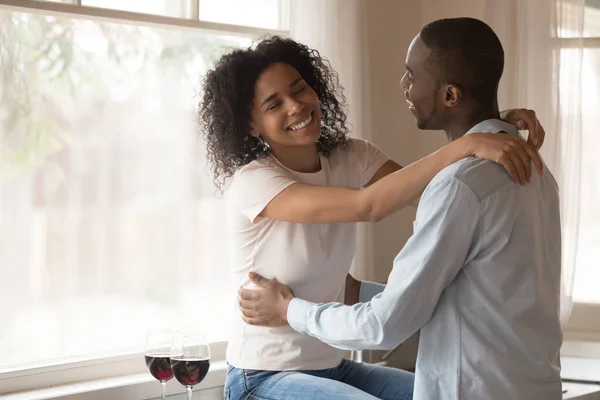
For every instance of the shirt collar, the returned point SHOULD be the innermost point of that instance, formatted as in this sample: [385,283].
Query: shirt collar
[494,126]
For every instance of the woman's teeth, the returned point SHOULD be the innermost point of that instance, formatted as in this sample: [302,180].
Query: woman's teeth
[301,124]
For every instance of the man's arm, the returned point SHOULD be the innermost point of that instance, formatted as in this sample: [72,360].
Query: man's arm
[433,256]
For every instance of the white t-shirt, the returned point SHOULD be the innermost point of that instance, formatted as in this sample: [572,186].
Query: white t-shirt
[312,259]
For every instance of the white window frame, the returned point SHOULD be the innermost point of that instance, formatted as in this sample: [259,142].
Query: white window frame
[116,375]
[76,10]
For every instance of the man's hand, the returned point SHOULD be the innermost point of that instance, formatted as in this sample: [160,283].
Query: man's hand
[352,290]
[526,119]
[267,306]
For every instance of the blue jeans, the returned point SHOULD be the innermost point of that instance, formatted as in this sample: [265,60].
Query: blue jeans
[348,381]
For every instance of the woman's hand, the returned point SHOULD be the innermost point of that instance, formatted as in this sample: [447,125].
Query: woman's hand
[512,152]
[526,119]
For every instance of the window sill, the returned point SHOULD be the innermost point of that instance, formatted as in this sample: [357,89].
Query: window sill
[576,360]
[580,391]
[137,386]
[103,369]
[582,370]
[581,378]
[580,348]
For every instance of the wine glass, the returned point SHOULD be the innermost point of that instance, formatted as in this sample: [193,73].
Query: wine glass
[190,360]
[157,354]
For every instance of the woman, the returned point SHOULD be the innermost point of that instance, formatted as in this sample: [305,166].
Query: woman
[273,119]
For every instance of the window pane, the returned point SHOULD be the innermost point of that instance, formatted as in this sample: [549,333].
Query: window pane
[108,221]
[270,14]
[591,24]
[568,15]
[171,8]
[587,276]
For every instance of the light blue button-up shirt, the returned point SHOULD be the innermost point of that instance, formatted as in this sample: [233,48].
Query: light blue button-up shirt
[480,277]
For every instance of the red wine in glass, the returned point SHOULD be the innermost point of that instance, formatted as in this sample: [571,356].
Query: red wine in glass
[190,360]
[157,353]
[189,371]
[159,366]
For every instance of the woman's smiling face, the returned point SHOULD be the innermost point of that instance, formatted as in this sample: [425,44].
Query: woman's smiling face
[286,110]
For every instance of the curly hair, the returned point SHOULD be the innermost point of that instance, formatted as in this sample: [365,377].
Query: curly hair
[228,93]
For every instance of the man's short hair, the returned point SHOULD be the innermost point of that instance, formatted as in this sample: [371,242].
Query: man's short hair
[467,53]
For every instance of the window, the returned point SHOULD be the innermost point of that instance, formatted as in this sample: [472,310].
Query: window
[587,278]
[109,222]
[585,319]
[245,12]
[159,7]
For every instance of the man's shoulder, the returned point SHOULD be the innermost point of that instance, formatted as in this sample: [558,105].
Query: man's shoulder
[481,176]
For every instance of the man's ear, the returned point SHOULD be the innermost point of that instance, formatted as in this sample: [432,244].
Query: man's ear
[452,96]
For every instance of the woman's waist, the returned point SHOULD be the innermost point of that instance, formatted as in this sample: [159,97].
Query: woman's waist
[242,332]
[272,340]
[280,348]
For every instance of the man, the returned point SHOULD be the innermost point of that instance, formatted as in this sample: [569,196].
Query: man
[481,274]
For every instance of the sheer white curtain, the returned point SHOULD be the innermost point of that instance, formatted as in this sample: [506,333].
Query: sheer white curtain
[107,214]
[543,72]
[337,29]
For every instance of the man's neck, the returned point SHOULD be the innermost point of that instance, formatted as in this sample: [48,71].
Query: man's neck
[462,124]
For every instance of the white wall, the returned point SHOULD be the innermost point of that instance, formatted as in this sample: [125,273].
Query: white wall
[390,28]
[437,9]
[391,25]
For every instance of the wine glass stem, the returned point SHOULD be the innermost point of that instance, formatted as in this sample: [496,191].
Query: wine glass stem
[163,385]
[189,393]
